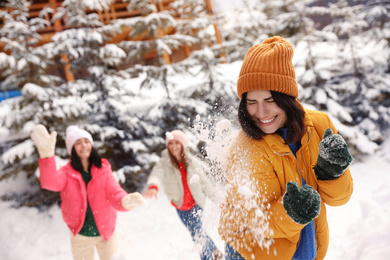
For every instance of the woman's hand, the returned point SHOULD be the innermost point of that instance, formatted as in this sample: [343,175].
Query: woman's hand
[333,158]
[302,204]
[150,193]
[45,142]
[133,200]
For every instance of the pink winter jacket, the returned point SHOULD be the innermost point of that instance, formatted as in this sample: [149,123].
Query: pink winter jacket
[104,194]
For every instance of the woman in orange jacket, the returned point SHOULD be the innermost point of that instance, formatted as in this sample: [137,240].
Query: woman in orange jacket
[286,163]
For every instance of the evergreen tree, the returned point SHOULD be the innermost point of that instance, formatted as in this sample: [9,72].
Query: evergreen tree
[342,66]
[26,67]
[197,22]
[249,27]
[345,24]
[352,86]
[104,99]
[151,28]
[91,101]
[27,62]
[101,84]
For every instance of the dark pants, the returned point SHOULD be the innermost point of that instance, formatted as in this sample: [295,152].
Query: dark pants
[232,254]
[192,219]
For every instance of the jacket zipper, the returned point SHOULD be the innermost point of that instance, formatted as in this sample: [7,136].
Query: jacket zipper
[307,178]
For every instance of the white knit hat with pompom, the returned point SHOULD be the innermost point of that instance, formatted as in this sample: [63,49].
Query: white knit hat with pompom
[74,133]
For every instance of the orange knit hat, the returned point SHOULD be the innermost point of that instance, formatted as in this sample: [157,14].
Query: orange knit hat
[268,66]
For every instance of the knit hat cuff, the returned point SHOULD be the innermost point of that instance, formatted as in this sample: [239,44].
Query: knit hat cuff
[267,81]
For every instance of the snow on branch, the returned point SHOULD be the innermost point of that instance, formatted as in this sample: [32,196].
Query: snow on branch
[6,61]
[99,5]
[19,151]
[36,92]
[162,47]
[111,54]
[339,111]
[134,146]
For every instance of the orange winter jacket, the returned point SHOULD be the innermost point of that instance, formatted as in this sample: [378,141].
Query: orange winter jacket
[253,219]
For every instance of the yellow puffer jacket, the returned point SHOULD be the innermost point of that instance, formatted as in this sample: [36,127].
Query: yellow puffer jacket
[253,219]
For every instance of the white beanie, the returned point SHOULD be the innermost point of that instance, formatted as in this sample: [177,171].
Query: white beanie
[74,133]
[176,135]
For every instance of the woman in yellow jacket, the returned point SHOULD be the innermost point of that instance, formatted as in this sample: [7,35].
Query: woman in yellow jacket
[286,163]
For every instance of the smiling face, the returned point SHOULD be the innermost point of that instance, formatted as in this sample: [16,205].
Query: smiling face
[264,111]
[83,148]
[175,148]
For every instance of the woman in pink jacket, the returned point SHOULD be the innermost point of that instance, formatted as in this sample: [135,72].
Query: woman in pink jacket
[89,193]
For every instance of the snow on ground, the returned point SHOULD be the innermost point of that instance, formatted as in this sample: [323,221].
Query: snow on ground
[358,230]
[361,228]
[150,232]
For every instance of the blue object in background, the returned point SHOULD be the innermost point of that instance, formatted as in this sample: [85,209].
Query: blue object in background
[9,94]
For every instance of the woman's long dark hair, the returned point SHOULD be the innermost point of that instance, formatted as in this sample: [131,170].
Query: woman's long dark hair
[295,117]
[94,159]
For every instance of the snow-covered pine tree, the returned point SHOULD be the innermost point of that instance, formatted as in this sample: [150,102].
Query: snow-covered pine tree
[88,101]
[353,72]
[127,122]
[191,24]
[25,66]
[249,26]
[345,24]
[343,67]
[256,20]
[295,20]
[197,22]
[150,31]
[122,136]
[26,62]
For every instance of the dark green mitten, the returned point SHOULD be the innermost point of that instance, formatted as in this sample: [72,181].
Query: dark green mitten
[301,204]
[333,158]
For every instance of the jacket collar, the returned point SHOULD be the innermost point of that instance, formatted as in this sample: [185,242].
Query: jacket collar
[95,172]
